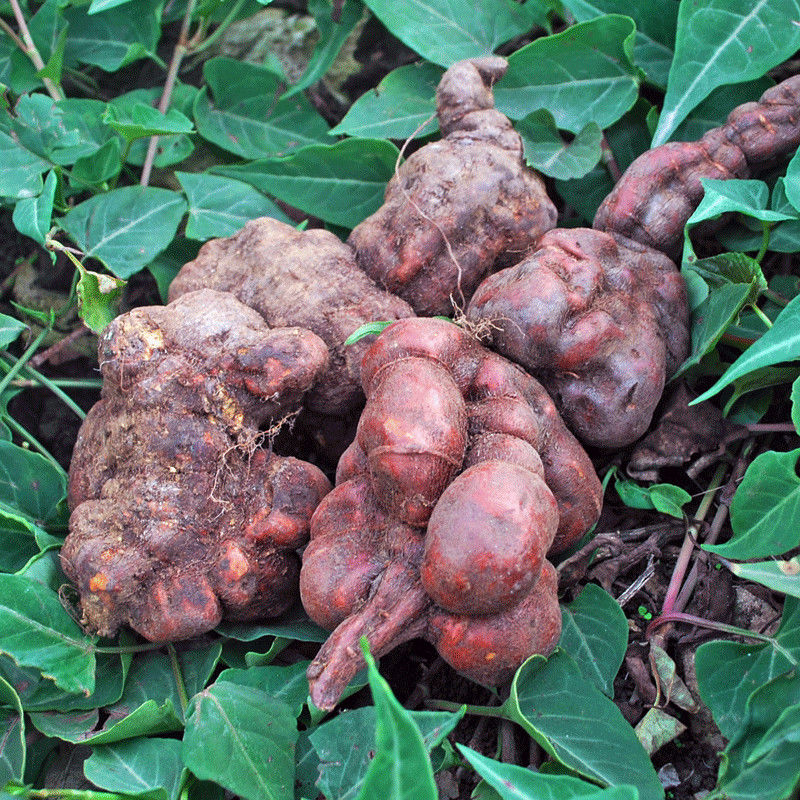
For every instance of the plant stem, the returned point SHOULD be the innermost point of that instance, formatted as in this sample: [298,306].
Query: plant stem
[609,159]
[20,362]
[701,622]
[762,316]
[764,241]
[62,383]
[35,376]
[62,794]
[169,85]
[220,29]
[776,298]
[176,671]
[30,50]
[478,711]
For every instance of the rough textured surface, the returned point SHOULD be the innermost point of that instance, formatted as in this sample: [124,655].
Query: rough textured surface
[457,207]
[661,188]
[179,516]
[303,278]
[601,321]
[441,520]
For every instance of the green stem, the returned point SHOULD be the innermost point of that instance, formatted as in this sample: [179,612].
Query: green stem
[701,622]
[129,648]
[23,433]
[61,794]
[176,671]
[20,362]
[219,30]
[62,383]
[764,241]
[478,711]
[776,298]
[761,315]
[38,379]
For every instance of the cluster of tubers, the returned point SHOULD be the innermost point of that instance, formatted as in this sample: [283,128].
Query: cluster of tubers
[463,473]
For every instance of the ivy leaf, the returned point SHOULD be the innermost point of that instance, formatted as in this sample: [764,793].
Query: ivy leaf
[401,105]
[446,31]
[32,215]
[242,739]
[21,175]
[141,120]
[765,512]
[13,748]
[578,725]
[401,767]
[36,631]
[318,178]
[724,41]
[594,632]
[584,74]
[780,576]
[780,343]
[98,298]
[221,206]
[795,397]
[247,117]
[548,153]
[125,228]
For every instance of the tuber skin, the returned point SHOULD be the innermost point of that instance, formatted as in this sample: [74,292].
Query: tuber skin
[600,320]
[661,189]
[458,207]
[299,278]
[179,518]
[466,569]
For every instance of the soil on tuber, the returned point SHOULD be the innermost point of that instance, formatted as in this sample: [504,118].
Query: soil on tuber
[458,207]
[461,479]
[179,517]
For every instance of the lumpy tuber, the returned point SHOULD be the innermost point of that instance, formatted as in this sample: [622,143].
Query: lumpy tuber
[178,517]
[461,479]
[458,207]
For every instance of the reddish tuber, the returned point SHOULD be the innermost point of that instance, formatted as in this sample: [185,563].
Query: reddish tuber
[179,517]
[459,206]
[440,523]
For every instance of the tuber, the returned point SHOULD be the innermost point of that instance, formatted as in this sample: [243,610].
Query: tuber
[179,516]
[600,320]
[440,521]
[662,187]
[304,278]
[459,206]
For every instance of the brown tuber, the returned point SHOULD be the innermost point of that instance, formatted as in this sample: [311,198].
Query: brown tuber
[305,278]
[179,517]
[600,320]
[441,520]
[457,207]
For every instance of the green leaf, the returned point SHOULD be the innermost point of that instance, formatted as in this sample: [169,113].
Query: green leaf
[789,186]
[401,105]
[548,153]
[519,783]
[446,31]
[345,745]
[316,179]
[98,298]
[655,31]
[584,74]
[785,729]
[657,728]
[720,42]
[294,624]
[594,632]
[247,117]
[795,397]
[401,767]
[367,329]
[36,631]
[55,64]
[578,725]
[141,120]
[780,576]
[30,484]
[729,672]
[125,228]
[765,512]
[21,175]
[115,37]
[780,343]
[242,739]
[96,170]
[221,206]
[712,318]
[13,749]
[142,766]
[760,379]
[10,329]
[32,214]
[669,499]
[288,684]
[748,197]
[332,35]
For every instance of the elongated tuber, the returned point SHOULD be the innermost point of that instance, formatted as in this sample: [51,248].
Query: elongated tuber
[459,206]
[440,523]
[179,516]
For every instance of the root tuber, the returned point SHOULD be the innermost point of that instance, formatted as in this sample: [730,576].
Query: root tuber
[179,517]
[440,523]
[457,207]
